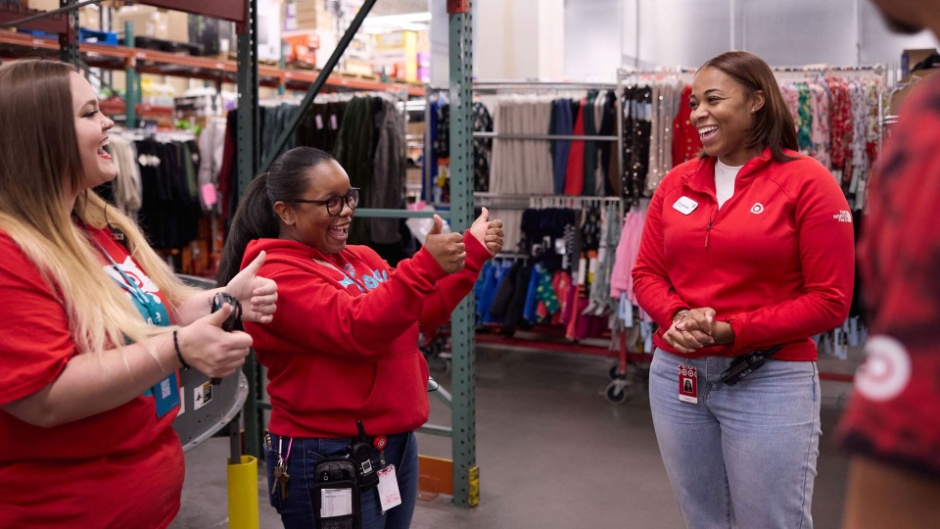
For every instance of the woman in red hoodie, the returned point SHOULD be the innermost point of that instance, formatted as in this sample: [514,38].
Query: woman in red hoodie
[343,344]
[747,247]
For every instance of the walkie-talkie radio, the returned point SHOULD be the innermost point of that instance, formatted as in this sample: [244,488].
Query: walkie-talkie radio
[743,366]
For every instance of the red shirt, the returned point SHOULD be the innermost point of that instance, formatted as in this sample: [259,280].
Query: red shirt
[893,414]
[776,261]
[343,344]
[121,468]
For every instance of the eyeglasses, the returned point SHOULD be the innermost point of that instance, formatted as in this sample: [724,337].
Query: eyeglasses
[334,204]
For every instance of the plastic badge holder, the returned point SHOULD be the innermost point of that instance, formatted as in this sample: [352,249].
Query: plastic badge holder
[336,495]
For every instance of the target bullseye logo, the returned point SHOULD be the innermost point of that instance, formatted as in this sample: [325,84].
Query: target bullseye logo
[757,208]
[886,371]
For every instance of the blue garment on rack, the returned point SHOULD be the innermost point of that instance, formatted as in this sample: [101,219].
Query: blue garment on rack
[563,123]
[487,275]
[531,298]
[501,281]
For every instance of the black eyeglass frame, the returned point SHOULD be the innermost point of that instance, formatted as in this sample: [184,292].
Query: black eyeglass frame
[353,191]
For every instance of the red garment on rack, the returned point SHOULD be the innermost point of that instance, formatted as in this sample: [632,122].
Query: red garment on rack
[685,140]
[574,176]
[224,177]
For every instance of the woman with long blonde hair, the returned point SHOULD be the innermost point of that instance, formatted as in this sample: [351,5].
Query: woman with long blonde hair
[94,325]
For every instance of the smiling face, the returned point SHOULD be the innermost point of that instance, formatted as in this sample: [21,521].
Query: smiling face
[91,128]
[723,113]
[311,223]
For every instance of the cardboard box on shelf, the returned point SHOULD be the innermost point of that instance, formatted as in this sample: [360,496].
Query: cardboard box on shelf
[910,58]
[87,15]
[911,82]
[269,31]
[309,14]
[357,67]
[302,48]
[152,22]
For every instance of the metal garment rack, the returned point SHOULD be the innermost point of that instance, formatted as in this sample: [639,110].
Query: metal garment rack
[547,88]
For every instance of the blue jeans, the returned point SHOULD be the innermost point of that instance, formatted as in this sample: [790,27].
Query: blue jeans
[745,455]
[297,510]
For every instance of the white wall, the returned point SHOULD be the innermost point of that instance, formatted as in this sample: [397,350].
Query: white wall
[592,37]
[512,40]
[587,40]
[798,32]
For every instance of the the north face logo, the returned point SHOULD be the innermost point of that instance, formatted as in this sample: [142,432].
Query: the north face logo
[843,216]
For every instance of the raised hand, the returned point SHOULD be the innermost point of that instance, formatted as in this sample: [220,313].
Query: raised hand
[488,232]
[211,350]
[257,295]
[448,250]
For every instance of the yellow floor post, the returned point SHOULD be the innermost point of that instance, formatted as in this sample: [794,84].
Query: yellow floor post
[243,494]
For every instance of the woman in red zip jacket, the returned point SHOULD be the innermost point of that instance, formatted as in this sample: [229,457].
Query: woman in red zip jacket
[747,247]
[343,345]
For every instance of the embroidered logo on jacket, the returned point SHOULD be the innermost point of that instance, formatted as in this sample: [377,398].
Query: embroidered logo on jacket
[370,281]
[843,216]
[757,208]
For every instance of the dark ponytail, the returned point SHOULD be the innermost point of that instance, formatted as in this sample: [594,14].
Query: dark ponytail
[255,219]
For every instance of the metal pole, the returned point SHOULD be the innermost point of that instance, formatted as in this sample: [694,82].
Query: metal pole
[68,41]
[130,81]
[466,473]
[247,141]
[314,89]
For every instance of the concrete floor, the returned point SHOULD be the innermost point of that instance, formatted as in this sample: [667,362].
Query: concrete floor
[552,454]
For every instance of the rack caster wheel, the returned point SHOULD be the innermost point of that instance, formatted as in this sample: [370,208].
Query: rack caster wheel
[615,393]
[613,374]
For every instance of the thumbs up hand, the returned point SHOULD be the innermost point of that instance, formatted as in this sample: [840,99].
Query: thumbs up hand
[448,250]
[488,232]
[205,346]
[257,295]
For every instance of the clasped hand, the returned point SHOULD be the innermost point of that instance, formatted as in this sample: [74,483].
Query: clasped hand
[694,329]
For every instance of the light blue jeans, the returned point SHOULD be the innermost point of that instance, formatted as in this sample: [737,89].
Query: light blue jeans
[745,455]
[297,510]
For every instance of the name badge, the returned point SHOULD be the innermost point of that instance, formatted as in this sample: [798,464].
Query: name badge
[685,205]
[166,395]
[688,384]
[389,495]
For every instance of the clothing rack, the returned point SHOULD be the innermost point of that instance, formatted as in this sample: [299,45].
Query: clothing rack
[569,202]
[497,87]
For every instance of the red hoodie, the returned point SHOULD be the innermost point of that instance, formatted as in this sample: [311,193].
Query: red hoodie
[776,261]
[343,344]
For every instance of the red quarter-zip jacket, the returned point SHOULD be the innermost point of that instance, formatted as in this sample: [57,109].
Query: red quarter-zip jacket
[343,344]
[777,261]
